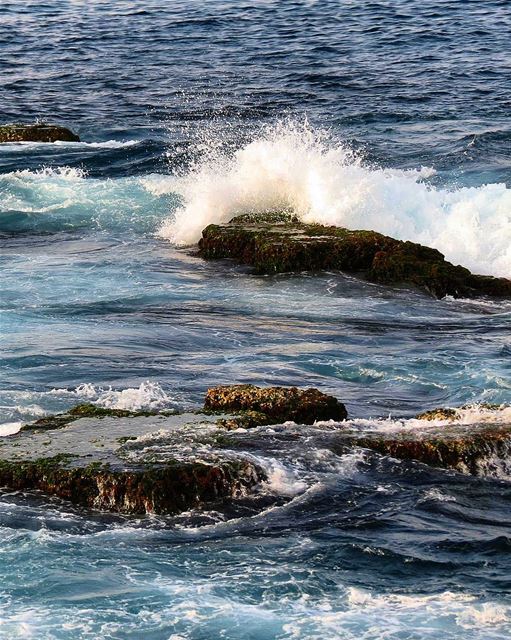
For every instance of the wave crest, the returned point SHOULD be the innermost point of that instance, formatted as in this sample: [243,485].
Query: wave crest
[293,166]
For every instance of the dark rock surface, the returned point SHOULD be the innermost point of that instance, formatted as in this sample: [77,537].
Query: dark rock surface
[278,242]
[39,132]
[279,404]
[472,449]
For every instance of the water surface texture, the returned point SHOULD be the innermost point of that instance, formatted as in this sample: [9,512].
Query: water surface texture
[389,115]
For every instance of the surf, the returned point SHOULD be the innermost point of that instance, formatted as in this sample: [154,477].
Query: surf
[292,165]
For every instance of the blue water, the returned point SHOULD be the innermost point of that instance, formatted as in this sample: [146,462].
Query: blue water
[389,115]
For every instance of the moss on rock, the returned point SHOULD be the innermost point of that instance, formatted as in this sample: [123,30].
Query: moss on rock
[87,410]
[39,132]
[279,404]
[163,489]
[244,420]
[468,451]
[278,243]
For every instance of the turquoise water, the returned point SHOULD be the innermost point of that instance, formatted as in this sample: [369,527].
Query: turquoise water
[390,116]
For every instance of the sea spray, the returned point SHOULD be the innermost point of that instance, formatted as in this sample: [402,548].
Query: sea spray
[293,166]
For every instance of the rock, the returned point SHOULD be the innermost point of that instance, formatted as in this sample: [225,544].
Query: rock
[244,420]
[278,243]
[87,410]
[98,462]
[438,414]
[472,449]
[447,413]
[279,404]
[39,132]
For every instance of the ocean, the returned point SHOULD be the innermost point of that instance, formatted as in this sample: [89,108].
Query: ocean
[389,115]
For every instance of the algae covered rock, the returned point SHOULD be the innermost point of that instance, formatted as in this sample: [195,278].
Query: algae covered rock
[87,410]
[279,243]
[473,449]
[112,460]
[39,132]
[279,404]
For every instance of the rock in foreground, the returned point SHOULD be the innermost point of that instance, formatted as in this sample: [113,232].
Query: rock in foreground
[278,404]
[277,243]
[96,462]
[39,132]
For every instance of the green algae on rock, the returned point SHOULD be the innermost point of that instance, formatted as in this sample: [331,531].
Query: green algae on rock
[87,410]
[38,132]
[93,463]
[278,404]
[279,243]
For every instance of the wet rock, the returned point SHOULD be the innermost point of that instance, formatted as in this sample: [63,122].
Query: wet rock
[448,413]
[279,404]
[438,414]
[39,132]
[473,450]
[87,410]
[244,420]
[278,243]
[98,460]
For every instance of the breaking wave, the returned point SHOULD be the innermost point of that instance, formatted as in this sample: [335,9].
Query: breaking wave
[293,166]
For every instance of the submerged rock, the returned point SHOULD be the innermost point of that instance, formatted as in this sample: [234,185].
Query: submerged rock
[277,404]
[278,242]
[39,132]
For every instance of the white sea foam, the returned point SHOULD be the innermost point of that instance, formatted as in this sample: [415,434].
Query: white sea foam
[469,415]
[9,428]
[296,167]
[107,144]
[148,395]
[61,173]
[29,405]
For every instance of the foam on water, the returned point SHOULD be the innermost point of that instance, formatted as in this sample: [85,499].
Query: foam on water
[107,144]
[19,407]
[469,415]
[54,198]
[293,166]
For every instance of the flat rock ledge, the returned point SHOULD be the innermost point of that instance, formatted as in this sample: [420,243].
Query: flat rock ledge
[168,462]
[279,243]
[39,132]
[89,457]
[107,459]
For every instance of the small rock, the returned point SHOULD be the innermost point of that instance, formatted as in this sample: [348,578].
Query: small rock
[279,404]
[40,132]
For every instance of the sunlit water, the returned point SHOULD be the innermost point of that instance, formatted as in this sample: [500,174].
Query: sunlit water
[391,116]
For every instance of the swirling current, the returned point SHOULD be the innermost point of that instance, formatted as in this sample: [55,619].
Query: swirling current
[385,115]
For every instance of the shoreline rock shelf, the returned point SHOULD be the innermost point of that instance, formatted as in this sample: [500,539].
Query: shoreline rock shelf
[169,462]
[279,243]
[97,462]
[38,132]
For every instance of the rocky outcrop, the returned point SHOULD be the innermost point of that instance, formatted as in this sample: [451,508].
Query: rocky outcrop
[470,449]
[39,132]
[97,458]
[277,404]
[160,489]
[278,243]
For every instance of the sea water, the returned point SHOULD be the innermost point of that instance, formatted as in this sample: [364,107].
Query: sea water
[390,116]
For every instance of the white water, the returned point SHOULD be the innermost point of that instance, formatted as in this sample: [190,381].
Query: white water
[293,166]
